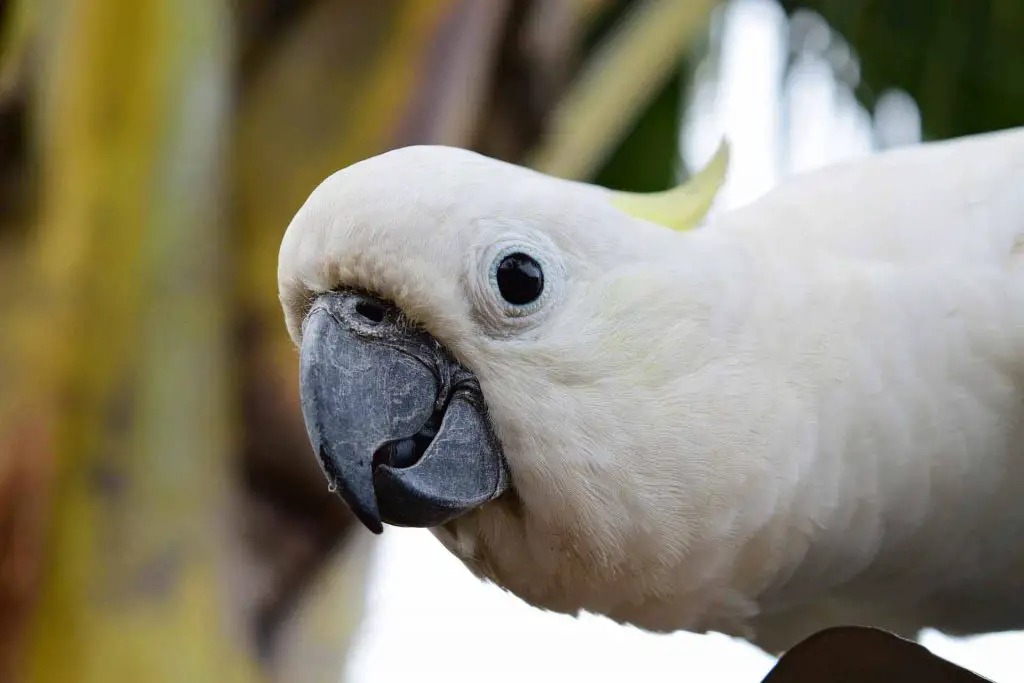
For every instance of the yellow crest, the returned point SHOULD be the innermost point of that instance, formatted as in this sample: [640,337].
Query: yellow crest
[682,207]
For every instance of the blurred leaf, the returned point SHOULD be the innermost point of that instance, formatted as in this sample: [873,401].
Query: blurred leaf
[619,81]
[648,158]
[125,347]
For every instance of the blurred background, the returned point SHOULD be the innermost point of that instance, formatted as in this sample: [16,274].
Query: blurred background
[161,515]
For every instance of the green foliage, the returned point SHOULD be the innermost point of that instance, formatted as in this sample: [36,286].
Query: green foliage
[961,60]
[647,159]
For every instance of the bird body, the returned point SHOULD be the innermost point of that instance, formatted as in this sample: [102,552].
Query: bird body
[807,412]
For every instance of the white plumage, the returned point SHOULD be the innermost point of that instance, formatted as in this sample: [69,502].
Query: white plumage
[808,412]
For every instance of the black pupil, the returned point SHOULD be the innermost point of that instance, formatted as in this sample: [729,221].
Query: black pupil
[520,279]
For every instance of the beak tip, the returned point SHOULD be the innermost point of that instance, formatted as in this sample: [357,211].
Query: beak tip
[374,525]
[368,515]
[362,502]
[364,507]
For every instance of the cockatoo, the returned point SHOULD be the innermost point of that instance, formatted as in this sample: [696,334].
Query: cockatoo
[804,412]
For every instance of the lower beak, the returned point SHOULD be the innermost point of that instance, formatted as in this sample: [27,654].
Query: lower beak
[400,429]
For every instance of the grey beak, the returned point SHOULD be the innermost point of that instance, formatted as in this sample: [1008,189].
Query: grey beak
[400,429]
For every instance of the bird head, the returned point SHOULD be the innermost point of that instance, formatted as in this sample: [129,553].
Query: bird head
[485,352]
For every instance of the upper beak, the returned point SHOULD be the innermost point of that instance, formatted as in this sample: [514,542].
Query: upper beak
[399,427]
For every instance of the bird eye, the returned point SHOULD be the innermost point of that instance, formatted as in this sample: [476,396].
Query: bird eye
[519,278]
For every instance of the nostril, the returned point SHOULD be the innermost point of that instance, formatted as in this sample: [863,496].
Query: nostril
[371,311]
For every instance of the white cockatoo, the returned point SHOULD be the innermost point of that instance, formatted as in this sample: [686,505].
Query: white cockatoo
[805,412]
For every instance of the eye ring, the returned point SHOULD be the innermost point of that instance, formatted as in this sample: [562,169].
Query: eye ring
[513,287]
[498,318]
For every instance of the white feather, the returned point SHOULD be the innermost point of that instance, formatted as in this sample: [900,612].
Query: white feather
[808,412]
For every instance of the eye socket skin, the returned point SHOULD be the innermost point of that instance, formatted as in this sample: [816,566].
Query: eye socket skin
[519,279]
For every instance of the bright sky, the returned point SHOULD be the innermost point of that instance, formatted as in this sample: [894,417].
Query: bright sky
[428,619]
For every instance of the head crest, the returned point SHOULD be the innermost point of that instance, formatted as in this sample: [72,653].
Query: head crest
[682,207]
